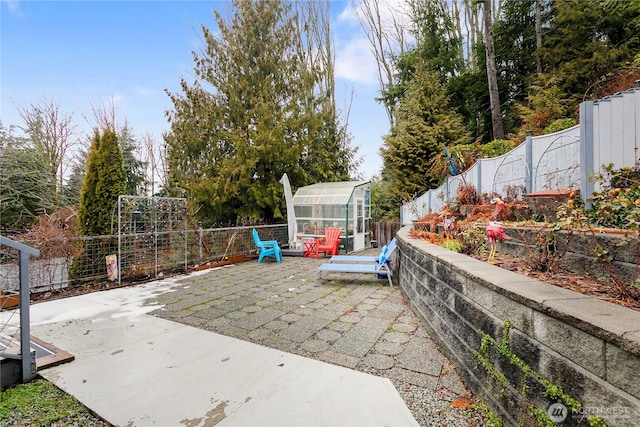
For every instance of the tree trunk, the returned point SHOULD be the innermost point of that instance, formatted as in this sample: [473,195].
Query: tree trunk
[494,96]
[538,37]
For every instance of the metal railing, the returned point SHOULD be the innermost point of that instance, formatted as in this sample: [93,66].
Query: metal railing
[8,331]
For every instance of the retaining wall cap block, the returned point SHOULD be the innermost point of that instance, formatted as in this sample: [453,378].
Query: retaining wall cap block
[601,318]
[619,364]
[581,347]
[501,306]
[535,293]
[553,193]
[490,274]
[439,252]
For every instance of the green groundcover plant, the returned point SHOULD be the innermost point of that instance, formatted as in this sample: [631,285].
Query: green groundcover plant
[39,403]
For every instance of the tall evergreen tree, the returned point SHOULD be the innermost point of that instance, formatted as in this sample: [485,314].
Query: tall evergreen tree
[425,126]
[104,181]
[134,169]
[587,40]
[254,113]
[515,46]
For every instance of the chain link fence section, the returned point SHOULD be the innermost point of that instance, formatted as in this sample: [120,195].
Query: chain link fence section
[69,262]
[9,271]
[216,244]
[152,237]
[57,266]
[49,271]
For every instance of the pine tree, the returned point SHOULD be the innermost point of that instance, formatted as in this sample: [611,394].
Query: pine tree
[255,112]
[587,40]
[425,126]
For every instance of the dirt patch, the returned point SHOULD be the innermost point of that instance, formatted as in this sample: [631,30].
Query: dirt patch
[73,291]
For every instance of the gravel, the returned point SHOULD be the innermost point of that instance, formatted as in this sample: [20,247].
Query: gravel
[434,408]
[431,408]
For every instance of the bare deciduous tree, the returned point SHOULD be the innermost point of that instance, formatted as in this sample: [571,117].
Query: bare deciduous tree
[472,28]
[315,23]
[154,156]
[104,116]
[52,133]
[388,33]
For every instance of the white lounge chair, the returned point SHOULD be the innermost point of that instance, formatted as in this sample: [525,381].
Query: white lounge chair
[385,252]
[380,266]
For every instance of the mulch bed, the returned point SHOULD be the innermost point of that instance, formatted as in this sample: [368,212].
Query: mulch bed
[576,282]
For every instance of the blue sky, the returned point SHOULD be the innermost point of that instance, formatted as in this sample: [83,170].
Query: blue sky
[83,53]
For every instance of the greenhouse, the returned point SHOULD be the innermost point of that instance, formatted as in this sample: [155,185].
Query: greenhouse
[346,205]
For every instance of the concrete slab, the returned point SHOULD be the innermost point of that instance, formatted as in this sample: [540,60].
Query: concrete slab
[134,369]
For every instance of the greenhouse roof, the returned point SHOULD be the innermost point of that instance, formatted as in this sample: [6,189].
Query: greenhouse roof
[326,193]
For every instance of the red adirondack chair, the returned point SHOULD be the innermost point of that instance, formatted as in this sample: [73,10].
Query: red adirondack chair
[329,243]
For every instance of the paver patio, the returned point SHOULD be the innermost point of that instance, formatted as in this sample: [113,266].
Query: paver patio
[355,321]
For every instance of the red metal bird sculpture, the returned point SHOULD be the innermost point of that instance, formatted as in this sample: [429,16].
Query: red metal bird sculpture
[494,232]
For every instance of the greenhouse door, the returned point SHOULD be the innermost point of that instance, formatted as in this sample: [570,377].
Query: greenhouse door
[358,238]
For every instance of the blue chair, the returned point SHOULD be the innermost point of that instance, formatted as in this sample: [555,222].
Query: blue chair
[267,247]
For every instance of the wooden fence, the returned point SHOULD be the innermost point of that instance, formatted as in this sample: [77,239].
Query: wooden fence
[383,232]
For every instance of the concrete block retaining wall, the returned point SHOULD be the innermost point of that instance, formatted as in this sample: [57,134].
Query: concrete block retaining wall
[588,347]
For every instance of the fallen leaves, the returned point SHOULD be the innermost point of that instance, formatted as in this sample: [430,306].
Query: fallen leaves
[462,403]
